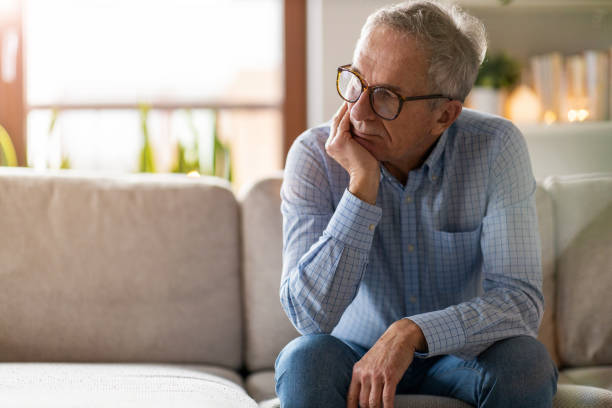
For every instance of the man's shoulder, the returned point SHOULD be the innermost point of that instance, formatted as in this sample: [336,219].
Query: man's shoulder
[478,123]
[488,134]
[314,137]
[310,145]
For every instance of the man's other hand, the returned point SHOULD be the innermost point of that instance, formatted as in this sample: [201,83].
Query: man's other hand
[361,165]
[376,375]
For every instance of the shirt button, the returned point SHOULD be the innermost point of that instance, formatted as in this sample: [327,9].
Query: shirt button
[434,178]
[408,199]
[413,299]
[410,248]
[371,227]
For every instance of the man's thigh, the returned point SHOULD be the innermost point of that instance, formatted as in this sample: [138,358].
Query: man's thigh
[315,370]
[513,372]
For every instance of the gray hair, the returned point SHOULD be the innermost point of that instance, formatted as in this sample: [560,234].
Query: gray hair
[454,42]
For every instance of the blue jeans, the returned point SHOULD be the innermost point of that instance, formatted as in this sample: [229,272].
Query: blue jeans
[316,370]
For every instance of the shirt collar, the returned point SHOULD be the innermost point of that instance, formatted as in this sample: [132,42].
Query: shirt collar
[435,159]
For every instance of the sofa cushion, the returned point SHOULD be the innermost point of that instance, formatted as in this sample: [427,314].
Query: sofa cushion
[600,377]
[547,333]
[261,385]
[118,268]
[580,396]
[267,327]
[48,385]
[583,225]
[401,401]
[567,396]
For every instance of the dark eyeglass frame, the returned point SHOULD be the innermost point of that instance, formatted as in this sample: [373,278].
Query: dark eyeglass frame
[365,87]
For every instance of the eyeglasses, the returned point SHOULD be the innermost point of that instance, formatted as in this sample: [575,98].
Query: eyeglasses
[384,102]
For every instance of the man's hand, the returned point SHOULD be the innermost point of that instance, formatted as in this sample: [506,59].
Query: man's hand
[376,375]
[362,167]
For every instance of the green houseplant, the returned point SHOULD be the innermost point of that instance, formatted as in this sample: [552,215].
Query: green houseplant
[8,157]
[217,163]
[147,162]
[498,71]
[497,75]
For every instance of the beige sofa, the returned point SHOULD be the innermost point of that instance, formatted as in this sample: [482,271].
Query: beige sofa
[162,290]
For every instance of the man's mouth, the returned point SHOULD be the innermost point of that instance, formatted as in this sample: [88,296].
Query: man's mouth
[362,134]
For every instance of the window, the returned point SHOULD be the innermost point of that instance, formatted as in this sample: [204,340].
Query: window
[96,68]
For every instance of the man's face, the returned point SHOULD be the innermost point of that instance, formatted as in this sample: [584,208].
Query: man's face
[387,58]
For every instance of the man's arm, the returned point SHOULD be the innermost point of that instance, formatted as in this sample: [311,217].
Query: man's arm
[512,303]
[325,251]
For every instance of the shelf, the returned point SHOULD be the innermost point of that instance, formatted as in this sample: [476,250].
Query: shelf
[555,129]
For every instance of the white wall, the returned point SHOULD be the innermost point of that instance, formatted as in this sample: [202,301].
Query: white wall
[332,31]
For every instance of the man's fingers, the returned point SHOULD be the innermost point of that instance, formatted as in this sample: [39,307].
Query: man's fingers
[339,115]
[364,394]
[352,398]
[333,132]
[388,395]
[376,394]
[345,123]
[339,128]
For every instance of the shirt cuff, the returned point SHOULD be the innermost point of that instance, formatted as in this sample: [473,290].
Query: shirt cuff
[354,222]
[443,332]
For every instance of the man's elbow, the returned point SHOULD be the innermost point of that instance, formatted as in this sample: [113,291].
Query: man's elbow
[534,313]
[304,321]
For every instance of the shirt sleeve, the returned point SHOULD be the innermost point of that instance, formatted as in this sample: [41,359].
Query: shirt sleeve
[512,302]
[325,250]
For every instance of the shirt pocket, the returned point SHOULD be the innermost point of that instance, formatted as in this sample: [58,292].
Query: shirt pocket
[454,264]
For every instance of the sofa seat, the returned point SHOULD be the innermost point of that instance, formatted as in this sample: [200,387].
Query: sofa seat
[567,396]
[577,388]
[600,376]
[120,385]
[260,385]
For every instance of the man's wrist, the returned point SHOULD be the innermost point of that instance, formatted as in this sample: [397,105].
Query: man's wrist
[365,187]
[415,336]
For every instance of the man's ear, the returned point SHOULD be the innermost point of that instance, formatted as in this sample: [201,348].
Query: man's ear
[447,113]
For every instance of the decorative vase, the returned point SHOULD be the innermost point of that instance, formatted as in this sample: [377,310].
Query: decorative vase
[487,99]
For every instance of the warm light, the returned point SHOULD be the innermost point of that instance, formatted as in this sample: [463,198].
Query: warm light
[523,105]
[550,117]
[579,115]
[193,174]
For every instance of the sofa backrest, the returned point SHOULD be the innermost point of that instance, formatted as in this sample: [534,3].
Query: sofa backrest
[583,225]
[546,225]
[128,268]
[267,327]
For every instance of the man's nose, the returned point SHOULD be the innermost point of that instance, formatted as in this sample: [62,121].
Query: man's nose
[362,110]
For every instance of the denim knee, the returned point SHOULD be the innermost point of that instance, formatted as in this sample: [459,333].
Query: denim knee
[520,370]
[314,370]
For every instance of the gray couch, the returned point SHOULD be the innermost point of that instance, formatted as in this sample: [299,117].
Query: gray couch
[162,291]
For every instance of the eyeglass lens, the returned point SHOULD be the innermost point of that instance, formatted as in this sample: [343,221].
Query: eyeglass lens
[384,102]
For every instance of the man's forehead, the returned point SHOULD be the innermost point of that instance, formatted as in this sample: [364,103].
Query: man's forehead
[386,56]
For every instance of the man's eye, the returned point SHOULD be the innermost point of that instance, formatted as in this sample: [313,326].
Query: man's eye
[384,95]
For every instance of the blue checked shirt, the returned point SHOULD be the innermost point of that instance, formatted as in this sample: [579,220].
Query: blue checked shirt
[456,249]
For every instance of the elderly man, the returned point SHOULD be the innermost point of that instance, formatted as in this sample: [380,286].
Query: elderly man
[411,246]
